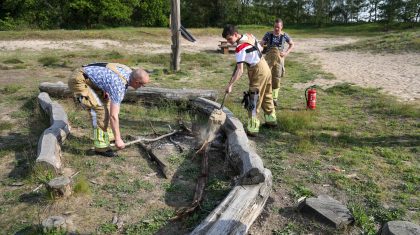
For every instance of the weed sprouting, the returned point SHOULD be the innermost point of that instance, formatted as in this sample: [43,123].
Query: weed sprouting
[364,221]
[81,186]
[301,191]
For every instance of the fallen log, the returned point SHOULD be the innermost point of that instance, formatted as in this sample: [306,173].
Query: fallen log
[149,94]
[49,144]
[236,213]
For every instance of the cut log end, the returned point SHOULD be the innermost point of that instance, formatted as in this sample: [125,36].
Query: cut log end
[60,186]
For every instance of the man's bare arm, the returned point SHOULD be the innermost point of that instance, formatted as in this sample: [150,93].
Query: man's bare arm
[115,125]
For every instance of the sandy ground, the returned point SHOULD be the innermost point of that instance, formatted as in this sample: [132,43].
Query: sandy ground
[395,74]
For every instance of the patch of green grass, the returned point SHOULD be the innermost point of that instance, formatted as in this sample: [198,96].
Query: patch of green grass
[159,59]
[127,187]
[11,89]
[305,72]
[362,220]
[151,223]
[107,228]
[114,55]
[393,156]
[5,125]
[100,202]
[201,59]
[13,61]
[295,121]
[346,89]
[388,106]
[77,120]
[290,228]
[218,187]
[52,61]
[301,145]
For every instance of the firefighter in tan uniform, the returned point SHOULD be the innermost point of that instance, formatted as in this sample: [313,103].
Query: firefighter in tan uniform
[248,52]
[275,41]
[100,88]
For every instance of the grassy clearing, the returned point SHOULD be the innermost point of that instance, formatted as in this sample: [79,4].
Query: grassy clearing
[359,146]
[391,43]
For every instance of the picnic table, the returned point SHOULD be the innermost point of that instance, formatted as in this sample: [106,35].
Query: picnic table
[225,46]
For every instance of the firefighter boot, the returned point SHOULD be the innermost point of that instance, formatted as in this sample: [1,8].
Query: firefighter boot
[101,143]
[275,96]
[110,135]
[271,119]
[253,126]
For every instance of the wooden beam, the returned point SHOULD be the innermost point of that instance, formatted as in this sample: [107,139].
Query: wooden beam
[175,28]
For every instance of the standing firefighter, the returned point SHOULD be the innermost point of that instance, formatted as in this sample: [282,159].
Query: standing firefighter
[248,52]
[275,54]
[100,88]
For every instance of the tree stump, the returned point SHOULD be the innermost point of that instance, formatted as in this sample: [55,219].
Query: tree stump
[60,186]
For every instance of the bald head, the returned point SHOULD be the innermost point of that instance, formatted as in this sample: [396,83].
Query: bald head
[139,78]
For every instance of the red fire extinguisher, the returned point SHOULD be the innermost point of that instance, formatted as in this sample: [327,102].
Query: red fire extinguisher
[310,96]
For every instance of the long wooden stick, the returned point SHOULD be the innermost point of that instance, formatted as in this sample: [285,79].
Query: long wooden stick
[148,140]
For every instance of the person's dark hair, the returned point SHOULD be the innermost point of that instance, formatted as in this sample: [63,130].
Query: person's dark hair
[229,30]
[278,20]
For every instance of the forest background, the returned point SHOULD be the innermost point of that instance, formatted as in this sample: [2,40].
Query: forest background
[97,14]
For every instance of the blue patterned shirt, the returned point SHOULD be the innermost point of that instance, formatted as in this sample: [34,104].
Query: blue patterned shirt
[109,81]
[278,40]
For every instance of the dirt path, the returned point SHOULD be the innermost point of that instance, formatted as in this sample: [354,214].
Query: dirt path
[396,74]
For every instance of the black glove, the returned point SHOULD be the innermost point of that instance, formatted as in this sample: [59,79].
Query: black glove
[245,100]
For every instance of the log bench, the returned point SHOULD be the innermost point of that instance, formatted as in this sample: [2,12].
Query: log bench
[225,46]
[246,200]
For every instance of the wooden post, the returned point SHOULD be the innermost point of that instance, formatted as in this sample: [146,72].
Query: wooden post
[175,28]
